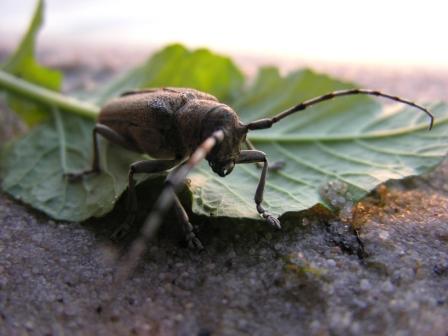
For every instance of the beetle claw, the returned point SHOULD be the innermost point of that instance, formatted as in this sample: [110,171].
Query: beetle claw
[119,233]
[273,221]
[277,165]
[73,177]
[193,242]
[123,229]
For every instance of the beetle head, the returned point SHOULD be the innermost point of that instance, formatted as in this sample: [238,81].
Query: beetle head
[223,168]
[222,158]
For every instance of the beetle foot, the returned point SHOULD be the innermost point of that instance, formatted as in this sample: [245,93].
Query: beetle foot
[273,167]
[277,165]
[272,221]
[74,177]
[194,242]
[123,229]
[268,217]
[119,233]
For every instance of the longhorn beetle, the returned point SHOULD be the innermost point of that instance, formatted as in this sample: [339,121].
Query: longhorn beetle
[180,127]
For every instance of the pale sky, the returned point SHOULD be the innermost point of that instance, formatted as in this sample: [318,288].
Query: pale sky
[348,31]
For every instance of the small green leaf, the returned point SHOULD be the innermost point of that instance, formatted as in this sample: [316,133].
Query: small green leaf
[24,65]
[35,167]
[177,66]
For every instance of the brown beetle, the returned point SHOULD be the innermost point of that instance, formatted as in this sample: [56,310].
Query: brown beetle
[179,127]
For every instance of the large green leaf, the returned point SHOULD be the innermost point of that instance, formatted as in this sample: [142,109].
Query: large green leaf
[354,140]
[24,65]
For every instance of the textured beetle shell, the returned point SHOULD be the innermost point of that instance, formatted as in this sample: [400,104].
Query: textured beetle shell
[164,123]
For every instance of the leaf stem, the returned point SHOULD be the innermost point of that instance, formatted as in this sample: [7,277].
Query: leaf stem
[42,95]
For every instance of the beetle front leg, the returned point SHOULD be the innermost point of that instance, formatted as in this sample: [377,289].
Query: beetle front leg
[254,156]
[139,167]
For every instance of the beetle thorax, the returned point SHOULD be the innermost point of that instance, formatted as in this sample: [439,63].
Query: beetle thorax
[199,118]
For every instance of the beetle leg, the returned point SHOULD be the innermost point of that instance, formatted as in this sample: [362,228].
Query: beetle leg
[277,165]
[163,204]
[139,167]
[110,135]
[253,156]
[190,236]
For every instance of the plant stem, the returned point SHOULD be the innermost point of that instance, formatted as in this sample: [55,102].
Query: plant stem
[42,95]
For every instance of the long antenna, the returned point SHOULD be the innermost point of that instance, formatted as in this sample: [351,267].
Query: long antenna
[268,122]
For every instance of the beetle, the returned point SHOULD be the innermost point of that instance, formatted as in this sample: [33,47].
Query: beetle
[180,127]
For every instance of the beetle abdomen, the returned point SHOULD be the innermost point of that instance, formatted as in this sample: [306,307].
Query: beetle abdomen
[145,120]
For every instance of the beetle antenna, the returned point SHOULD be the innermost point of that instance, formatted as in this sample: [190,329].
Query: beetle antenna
[268,122]
[162,206]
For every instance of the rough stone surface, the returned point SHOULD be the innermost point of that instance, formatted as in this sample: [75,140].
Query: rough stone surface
[383,270]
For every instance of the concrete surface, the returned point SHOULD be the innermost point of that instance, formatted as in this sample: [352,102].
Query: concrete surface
[385,272]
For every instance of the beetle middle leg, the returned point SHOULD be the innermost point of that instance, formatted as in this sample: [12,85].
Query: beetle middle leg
[162,205]
[255,156]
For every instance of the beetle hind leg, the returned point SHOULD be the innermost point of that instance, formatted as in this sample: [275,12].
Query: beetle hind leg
[110,135]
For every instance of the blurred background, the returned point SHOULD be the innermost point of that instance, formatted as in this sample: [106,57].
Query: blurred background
[392,33]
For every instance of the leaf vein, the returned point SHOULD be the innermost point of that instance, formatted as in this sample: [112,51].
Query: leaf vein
[319,170]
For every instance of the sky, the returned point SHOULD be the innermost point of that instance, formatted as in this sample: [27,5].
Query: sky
[397,33]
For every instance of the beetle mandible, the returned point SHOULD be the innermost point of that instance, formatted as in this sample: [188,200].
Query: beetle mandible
[180,127]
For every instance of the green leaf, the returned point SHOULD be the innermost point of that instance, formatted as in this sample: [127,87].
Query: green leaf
[354,140]
[177,66]
[24,65]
